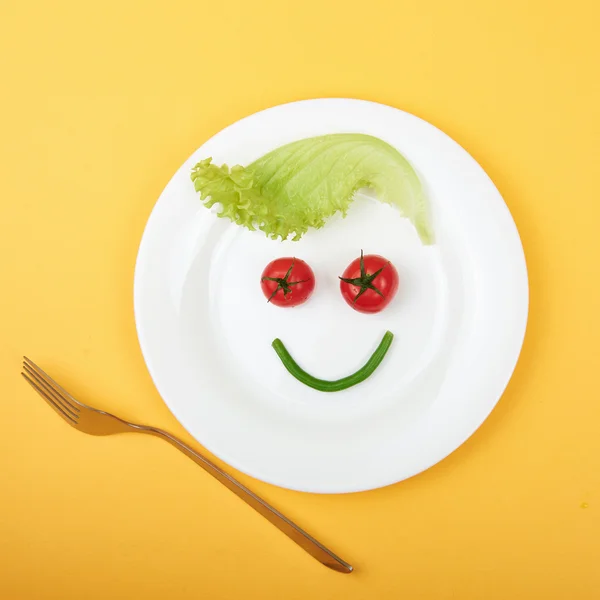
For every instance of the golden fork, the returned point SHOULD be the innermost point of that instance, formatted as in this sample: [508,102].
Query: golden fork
[97,422]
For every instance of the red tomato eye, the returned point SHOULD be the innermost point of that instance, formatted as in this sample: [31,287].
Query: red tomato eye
[287,282]
[369,283]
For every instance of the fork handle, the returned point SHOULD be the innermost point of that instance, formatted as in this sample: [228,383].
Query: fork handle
[295,533]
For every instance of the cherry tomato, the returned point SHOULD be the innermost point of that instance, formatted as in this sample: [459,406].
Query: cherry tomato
[287,282]
[369,283]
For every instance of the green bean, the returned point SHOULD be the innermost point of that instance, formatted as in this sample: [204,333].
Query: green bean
[339,384]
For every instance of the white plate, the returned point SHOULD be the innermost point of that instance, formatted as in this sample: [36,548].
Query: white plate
[459,317]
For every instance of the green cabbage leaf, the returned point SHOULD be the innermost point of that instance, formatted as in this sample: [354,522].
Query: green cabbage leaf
[302,184]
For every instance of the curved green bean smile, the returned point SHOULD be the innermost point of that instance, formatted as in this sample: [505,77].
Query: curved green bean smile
[339,384]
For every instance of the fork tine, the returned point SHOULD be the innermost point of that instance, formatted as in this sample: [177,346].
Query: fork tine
[49,400]
[58,389]
[58,398]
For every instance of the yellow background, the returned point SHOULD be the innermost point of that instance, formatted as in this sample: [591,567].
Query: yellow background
[100,102]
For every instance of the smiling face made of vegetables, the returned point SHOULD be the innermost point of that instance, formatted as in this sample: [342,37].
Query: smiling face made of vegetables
[299,186]
[368,285]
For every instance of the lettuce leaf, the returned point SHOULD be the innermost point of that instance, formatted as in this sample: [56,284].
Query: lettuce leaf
[302,184]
